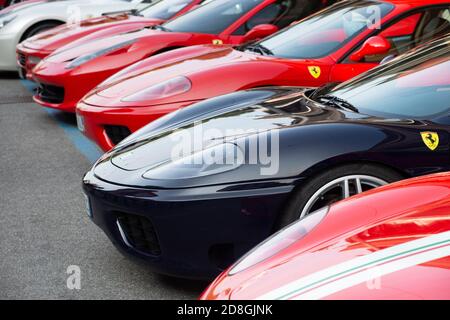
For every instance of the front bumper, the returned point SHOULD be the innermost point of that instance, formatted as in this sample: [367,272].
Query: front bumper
[199,232]
[96,122]
[8,43]
[23,59]
[71,84]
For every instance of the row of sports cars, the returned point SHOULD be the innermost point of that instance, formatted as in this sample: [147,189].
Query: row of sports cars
[236,119]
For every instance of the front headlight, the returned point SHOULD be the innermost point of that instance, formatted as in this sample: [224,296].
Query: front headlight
[161,90]
[34,60]
[214,160]
[5,21]
[91,56]
[280,241]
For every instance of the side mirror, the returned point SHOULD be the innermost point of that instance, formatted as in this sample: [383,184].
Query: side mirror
[260,31]
[372,46]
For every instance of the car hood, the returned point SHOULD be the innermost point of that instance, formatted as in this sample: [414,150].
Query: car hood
[64,10]
[347,260]
[88,30]
[195,63]
[240,118]
[69,53]
[16,8]
[26,7]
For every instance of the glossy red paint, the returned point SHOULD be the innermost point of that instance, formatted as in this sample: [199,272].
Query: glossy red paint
[77,82]
[357,229]
[69,36]
[216,70]
[4,4]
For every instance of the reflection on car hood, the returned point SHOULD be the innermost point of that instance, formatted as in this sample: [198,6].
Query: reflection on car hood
[330,262]
[19,7]
[69,53]
[182,62]
[87,30]
[238,118]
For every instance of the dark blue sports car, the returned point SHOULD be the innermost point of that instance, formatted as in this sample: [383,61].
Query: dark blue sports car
[195,190]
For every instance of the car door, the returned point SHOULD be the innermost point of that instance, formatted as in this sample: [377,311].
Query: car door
[410,31]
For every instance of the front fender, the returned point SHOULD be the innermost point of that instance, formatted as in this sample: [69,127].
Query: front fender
[243,75]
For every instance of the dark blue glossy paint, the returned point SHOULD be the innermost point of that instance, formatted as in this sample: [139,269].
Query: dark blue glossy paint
[238,209]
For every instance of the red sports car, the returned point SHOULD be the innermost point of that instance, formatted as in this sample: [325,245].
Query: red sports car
[334,45]
[388,243]
[33,50]
[67,75]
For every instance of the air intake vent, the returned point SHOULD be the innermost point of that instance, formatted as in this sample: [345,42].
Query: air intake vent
[117,133]
[138,232]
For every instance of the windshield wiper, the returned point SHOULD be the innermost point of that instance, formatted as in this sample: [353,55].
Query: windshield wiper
[333,101]
[132,12]
[259,48]
[159,27]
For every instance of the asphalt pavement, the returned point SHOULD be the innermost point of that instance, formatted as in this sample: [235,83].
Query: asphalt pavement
[43,225]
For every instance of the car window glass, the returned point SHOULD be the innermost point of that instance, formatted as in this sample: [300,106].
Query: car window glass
[265,16]
[213,17]
[323,33]
[280,13]
[413,30]
[413,88]
[165,9]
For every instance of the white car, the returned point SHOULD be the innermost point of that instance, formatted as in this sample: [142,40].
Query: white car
[31,18]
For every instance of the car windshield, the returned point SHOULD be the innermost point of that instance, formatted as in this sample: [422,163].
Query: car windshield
[165,10]
[213,17]
[416,87]
[325,32]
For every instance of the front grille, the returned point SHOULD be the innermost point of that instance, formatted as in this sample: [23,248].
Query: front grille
[117,133]
[139,233]
[22,59]
[50,94]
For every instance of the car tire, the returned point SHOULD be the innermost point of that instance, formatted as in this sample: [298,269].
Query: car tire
[370,175]
[38,28]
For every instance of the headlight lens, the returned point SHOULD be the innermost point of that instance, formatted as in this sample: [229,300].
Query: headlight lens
[34,60]
[88,57]
[5,21]
[161,90]
[280,241]
[214,160]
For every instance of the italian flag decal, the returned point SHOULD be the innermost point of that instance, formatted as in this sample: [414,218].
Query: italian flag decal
[342,276]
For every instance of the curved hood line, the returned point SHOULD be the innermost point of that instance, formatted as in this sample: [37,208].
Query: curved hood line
[350,273]
[21,8]
[202,62]
[68,53]
[89,30]
[159,128]
[165,60]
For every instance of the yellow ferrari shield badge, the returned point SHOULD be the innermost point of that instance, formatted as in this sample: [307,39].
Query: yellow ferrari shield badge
[315,71]
[431,140]
[217,42]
